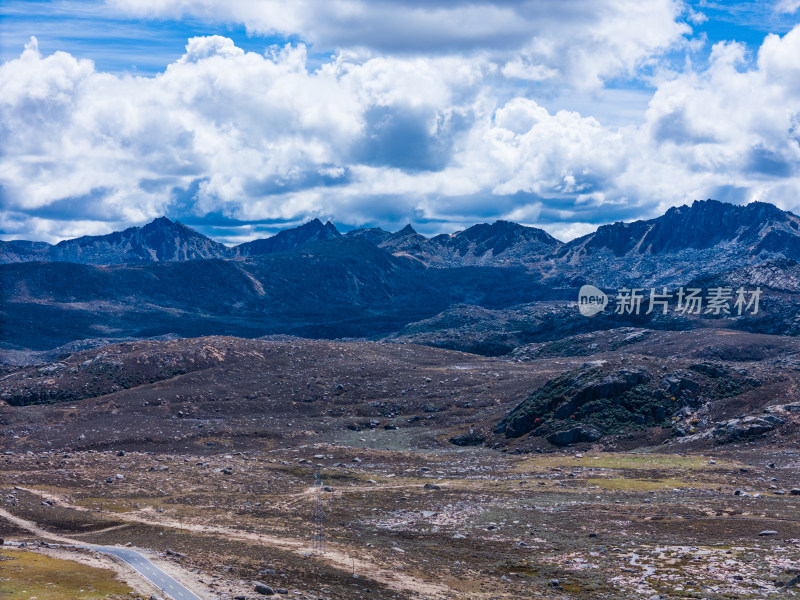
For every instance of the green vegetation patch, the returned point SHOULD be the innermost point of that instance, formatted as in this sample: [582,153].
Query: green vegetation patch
[25,575]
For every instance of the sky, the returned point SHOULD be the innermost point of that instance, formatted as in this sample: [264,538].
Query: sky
[244,117]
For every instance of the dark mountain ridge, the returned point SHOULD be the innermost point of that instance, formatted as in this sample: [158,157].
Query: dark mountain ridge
[493,287]
[161,240]
[327,289]
[288,239]
[704,224]
[499,244]
[685,243]
[706,231]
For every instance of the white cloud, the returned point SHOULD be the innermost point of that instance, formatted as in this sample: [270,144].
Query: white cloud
[616,39]
[787,6]
[585,41]
[696,17]
[379,139]
[255,134]
[730,126]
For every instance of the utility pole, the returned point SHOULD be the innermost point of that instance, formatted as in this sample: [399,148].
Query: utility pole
[319,526]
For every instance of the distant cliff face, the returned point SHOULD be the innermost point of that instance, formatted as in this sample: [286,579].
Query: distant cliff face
[313,231]
[158,241]
[684,243]
[499,244]
[704,224]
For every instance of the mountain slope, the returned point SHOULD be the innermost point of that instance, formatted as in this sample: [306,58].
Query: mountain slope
[23,251]
[288,239]
[158,241]
[754,227]
[499,244]
[161,240]
[333,288]
[375,235]
[683,244]
[410,244]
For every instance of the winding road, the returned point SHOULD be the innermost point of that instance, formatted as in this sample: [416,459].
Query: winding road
[149,571]
[168,586]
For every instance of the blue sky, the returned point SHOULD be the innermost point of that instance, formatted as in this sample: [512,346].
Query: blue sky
[241,118]
[118,42]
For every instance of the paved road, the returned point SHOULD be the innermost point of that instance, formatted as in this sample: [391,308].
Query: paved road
[151,572]
[148,570]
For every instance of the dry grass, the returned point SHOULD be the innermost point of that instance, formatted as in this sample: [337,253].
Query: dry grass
[25,575]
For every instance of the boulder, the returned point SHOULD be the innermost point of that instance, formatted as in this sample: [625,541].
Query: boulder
[573,436]
[745,427]
[264,589]
[468,439]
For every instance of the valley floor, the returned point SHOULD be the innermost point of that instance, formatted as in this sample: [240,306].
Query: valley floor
[471,523]
[329,470]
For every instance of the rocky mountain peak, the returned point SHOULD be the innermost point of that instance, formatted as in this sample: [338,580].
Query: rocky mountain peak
[288,239]
[407,230]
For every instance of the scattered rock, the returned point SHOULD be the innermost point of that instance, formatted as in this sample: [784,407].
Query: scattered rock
[264,589]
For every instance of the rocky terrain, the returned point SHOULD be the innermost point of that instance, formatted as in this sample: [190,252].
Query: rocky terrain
[436,479]
[619,388]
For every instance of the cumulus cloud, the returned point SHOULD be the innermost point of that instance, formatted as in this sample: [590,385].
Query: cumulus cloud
[731,126]
[378,139]
[584,41]
[256,136]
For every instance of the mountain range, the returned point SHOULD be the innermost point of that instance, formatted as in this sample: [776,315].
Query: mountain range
[162,240]
[717,230]
[488,289]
